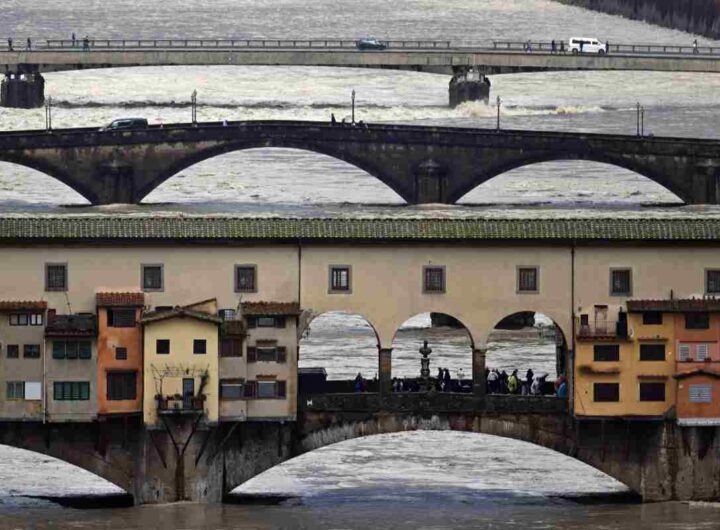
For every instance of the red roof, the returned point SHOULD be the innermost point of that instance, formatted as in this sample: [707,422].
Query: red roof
[679,305]
[22,305]
[270,308]
[120,299]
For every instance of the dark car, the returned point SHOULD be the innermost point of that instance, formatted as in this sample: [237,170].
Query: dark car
[126,123]
[370,43]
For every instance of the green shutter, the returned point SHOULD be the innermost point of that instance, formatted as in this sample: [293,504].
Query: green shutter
[84,349]
[84,391]
[58,391]
[58,349]
[71,351]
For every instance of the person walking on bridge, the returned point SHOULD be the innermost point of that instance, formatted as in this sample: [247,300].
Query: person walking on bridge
[333,121]
[10,47]
[29,44]
[513,382]
[695,48]
[73,40]
[86,43]
[552,46]
[562,46]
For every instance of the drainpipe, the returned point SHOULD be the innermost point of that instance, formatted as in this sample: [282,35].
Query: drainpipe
[570,376]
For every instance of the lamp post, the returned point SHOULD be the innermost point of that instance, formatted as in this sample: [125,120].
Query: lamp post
[638,119]
[642,121]
[497,125]
[352,121]
[193,106]
[48,113]
[425,367]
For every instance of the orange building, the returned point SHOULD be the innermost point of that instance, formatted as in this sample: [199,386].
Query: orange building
[120,352]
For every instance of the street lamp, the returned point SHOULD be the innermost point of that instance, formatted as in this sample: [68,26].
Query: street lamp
[497,125]
[193,106]
[48,113]
[352,121]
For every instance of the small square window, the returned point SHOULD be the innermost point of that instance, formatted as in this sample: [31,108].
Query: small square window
[712,281]
[652,318]
[699,320]
[199,347]
[121,353]
[13,351]
[433,279]
[652,391]
[606,392]
[527,280]
[339,278]
[31,351]
[152,278]
[245,278]
[162,346]
[620,282]
[121,317]
[56,277]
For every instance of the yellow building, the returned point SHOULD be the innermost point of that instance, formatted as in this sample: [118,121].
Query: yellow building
[625,367]
[181,362]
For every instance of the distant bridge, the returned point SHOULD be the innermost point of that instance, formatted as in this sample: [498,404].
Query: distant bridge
[422,164]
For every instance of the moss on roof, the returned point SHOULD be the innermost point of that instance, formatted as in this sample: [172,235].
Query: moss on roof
[213,228]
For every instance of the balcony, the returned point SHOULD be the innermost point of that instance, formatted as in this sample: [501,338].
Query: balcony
[178,404]
[603,329]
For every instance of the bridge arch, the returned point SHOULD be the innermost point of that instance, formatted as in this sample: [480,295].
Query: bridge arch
[681,188]
[51,170]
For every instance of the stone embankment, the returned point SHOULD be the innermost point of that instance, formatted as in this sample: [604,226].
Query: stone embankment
[694,16]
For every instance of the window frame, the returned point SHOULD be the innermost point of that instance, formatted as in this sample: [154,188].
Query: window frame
[15,385]
[653,344]
[29,346]
[425,269]
[16,350]
[605,383]
[611,290]
[157,346]
[119,356]
[647,314]
[112,311]
[681,357]
[332,289]
[518,287]
[234,351]
[595,353]
[67,389]
[144,266]
[238,383]
[236,283]
[697,387]
[199,342]
[66,276]
[697,313]
[129,375]
[707,280]
[646,384]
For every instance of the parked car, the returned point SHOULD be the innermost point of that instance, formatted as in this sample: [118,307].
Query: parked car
[370,43]
[126,123]
[586,45]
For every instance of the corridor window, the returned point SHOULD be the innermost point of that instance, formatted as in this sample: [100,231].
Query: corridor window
[527,280]
[339,278]
[152,277]
[606,392]
[199,347]
[606,352]
[162,346]
[712,281]
[15,390]
[620,282]
[121,317]
[700,320]
[433,279]
[700,393]
[245,278]
[121,386]
[71,349]
[652,318]
[31,351]
[56,277]
[71,391]
[652,391]
[652,352]
[13,351]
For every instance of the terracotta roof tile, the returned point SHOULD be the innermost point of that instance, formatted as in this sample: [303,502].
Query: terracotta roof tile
[675,305]
[119,299]
[80,325]
[270,308]
[22,305]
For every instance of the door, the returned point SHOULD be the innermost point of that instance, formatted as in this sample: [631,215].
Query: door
[188,392]
[601,325]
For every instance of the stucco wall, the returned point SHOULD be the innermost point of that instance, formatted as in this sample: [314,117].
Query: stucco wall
[82,370]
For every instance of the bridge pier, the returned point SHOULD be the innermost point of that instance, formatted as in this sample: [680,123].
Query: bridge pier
[478,372]
[385,372]
[22,90]
[430,183]
[468,84]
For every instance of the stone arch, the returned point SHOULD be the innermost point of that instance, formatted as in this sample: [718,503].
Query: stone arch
[562,320]
[637,164]
[49,169]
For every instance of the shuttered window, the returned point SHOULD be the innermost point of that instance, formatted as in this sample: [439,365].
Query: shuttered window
[121,386]
[267,353]
[15,390]
[121,317]
[340,278]
[55,277]
[700,393]
[231,388]
[652,352]
[13,351]
[245,278]
[230,348]
[700,320]
[683,352]
[72,349]
[527,281]
[712,281]
[71,391]
[701,352]
[265,389]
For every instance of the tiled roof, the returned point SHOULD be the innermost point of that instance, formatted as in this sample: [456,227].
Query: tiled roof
[155,316]
[270,308]
[228,228]
[80,325]
[22,305]
[675,305]
[698,372]
[119,299]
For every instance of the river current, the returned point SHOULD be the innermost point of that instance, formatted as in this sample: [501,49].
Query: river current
[424,479]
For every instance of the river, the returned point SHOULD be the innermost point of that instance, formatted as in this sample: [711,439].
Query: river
[414,480]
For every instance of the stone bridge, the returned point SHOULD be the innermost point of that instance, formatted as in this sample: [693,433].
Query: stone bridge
[189,460]
[422,164]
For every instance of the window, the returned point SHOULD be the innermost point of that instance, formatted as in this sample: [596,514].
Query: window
[120,353]
[620,282]
[700,393]
[652,391]
[606,392]
[697,320]
[56,277]
[162,346]
[230,348]
[36,319]
[13,351]
[71,391]
[712,281]
[72,349]
[339,278]
[527,280]
[31,351]
[121,317]
[652,318]
[231,388]
[227,314]
[121,386]
[152,277]
[652,352]
[199,347]
[15,390]
[267,353]
[701,352]
[19,319]
[684,352]
[33,391]
[270,389]
[266,322]
[433,279]
[245,278]
[606,352]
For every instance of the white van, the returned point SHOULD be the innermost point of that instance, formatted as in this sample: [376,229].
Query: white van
[586,45]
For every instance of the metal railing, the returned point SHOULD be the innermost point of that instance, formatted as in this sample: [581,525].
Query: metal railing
[646,49]
[603,328]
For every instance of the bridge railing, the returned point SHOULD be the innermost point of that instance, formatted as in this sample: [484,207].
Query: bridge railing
[78,44]
[652,49]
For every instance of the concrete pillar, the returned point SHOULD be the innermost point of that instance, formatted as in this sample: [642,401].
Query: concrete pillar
[384,372]
[478,368]
[570,379]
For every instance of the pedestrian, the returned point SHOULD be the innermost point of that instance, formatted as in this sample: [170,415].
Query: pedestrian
[73,40]
[562,390]
[492,381]
[695,48]
[529,379]
[358,382]
[333,121]
[225,123]
[447,380]
[535,388]
[503,382]
[562,46]
[528,47]
[582,43]
[10,48]
[86,43]
[607,46]
[513,382]
[29,44]
[552,46]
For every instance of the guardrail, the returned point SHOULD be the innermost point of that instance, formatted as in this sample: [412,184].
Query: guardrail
[654,49]
[81,44]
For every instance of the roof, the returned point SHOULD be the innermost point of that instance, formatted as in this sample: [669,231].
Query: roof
[78,325]
[22,305]
[120,299]
[698,372]
[270,308]
[223,228]
[181,312]
[678,305]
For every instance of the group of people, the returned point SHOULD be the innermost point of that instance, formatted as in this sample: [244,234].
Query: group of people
[344,122]
[501,383]
[28,46]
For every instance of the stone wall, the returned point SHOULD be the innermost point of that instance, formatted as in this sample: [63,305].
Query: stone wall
[694,16]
